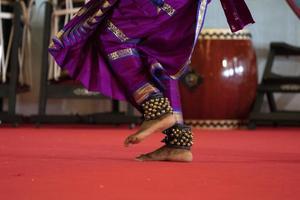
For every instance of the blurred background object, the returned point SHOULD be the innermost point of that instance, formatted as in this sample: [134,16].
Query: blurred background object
[274,22]
[15,54]
[56,84]
[295,5]
[273,82]
[226,64]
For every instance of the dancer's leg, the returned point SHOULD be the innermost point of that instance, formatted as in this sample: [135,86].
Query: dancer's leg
[154,103]
[141,92]
[177,148]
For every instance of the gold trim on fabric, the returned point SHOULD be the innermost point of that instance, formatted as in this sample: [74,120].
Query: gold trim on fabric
[156,65]
[143,92]
[117,32]
[180,72]
[106,4]
[81,11]
[176,76]
[201,16]
[51,45]
[99,13]
[93,19]
[122,53]
[89,22]
[168,9]
[58,36]
[200,20]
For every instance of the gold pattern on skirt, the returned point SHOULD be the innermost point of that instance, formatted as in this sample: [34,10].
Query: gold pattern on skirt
[116,31]
[99,13]
[200,19]
[106,4]
[143,92]
[168,9]
[93,19]
[122,53]
[81,11]
[58,36]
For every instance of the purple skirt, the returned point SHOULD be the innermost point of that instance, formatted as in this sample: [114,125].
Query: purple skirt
[163,37]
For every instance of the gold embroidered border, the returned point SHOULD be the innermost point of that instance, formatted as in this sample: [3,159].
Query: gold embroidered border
[58,36]
[201,16]
[168,9]
[122,53]
[106,4]
[156,65]
[81,11]
[117,32]
[92,20]
[143,92]
[51,45]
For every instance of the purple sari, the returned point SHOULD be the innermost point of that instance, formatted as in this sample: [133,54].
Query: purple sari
[110,40]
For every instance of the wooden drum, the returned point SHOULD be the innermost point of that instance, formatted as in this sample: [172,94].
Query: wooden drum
[220,88]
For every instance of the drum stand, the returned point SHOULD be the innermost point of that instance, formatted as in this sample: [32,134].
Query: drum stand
[72,90]
[274,83]
[11,87]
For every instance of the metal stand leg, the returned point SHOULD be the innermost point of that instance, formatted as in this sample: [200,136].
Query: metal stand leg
[1,104]
[271,100]
[115,106]
[45,60]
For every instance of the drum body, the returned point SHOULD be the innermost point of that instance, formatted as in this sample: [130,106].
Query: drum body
[224,65]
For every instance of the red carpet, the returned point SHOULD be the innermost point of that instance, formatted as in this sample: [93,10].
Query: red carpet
[90,163]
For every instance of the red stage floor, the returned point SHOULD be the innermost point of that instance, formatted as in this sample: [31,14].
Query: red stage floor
[91,163]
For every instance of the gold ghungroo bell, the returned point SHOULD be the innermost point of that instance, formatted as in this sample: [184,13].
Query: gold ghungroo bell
[179,136]
[156,106]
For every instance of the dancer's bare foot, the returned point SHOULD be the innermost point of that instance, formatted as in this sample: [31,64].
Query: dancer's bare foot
[167,154]
[149,127]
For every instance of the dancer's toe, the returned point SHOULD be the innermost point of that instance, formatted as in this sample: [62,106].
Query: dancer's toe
[150,127]
[144,157]
[131,140]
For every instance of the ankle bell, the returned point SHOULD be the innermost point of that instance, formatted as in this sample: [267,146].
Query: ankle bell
[179,136]
[155,107]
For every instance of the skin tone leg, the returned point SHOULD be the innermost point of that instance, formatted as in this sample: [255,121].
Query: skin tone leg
[149,127]
[163,153]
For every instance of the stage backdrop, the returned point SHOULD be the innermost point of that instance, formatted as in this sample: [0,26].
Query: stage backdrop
[275,21]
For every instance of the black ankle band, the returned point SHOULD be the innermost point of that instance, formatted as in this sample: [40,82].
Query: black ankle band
[179,136]
[156,106]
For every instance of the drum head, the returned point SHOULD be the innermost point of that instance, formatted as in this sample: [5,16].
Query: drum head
[295,5]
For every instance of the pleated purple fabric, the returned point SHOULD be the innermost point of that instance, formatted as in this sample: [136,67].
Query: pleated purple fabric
[161,35]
